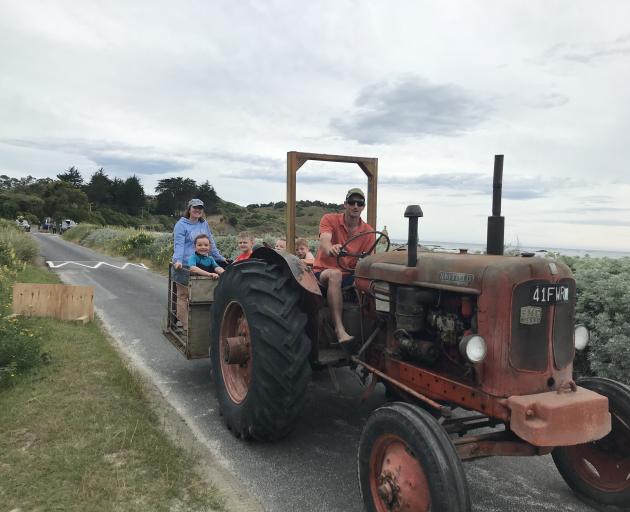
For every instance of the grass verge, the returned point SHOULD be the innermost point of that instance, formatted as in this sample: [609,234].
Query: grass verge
[77,433]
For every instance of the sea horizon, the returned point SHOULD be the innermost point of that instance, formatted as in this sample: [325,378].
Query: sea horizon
[481,247]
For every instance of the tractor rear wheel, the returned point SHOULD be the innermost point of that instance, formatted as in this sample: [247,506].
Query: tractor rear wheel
[600,470]
[407,462]
[259,350]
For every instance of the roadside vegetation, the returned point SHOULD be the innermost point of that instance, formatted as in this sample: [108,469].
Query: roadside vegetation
[76,432]
[148,246]
[603,306]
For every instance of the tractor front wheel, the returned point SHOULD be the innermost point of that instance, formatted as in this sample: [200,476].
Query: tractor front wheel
[259,350]
[600,470]
[407,462]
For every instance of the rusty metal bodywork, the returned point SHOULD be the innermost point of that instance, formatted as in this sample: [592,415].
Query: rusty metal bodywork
[514,384]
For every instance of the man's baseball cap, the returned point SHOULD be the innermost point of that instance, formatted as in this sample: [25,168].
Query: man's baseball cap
[195,202]
[355,192]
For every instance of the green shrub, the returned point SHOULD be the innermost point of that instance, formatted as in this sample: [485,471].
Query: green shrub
[161,249]
[103,237]
[134,244]
[227,245]
[79,232]
[603,306]
[16,246]
[19,349]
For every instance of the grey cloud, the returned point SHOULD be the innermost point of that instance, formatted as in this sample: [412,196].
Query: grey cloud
[114,157]
[278,174]
[410,107]
[587,53]
[595,222]
[517,188]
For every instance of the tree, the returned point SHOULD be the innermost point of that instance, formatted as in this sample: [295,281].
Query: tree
[99,189]
[131,196]
[71,176]
[64,201]
[173,194]
[207,194]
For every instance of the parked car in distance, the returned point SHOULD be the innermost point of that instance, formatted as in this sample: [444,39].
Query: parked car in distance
[66,225]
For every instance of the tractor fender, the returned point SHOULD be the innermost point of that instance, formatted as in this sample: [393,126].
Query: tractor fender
[302,273]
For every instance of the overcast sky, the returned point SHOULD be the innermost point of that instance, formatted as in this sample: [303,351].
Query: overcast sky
[433,89]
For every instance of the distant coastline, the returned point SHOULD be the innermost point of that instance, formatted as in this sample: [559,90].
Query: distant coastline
[472,247]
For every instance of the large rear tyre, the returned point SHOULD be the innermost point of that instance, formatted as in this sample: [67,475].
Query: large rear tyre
[407,462]
[600,470]
[259,350]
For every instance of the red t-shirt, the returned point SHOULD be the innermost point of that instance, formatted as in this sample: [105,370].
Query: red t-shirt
[243,256]
[334,223]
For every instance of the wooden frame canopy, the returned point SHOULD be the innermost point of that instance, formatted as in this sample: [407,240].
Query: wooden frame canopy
[296,159]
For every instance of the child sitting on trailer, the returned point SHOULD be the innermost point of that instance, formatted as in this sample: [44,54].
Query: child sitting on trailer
[245,244]
[200,262]
[303,252]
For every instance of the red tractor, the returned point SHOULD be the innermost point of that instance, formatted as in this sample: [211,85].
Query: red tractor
[475,351]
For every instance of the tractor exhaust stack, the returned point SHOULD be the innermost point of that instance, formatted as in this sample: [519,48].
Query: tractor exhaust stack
[412,212]
[496,223]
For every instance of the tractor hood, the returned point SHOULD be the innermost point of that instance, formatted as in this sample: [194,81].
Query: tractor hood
[457,272]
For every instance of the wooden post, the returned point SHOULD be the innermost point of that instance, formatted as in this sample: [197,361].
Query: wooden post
[296,159]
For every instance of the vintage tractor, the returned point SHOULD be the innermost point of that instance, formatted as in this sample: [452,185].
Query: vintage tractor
[475,351]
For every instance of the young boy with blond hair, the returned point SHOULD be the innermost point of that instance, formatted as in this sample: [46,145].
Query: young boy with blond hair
[303,252]
[245,244]
[281,245]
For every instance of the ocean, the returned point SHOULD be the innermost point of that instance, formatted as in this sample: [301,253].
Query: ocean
[476,248]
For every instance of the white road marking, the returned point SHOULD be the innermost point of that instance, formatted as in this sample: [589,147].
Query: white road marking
[95,264]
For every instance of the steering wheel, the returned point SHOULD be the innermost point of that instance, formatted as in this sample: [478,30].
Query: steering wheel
[343,250]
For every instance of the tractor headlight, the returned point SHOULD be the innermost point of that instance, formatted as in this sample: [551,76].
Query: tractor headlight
[581,337]
[473,348]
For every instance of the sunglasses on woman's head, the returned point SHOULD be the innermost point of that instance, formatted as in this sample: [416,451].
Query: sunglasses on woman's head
[356,203]
[197,207]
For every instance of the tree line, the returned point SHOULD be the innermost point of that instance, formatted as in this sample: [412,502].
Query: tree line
[101,199]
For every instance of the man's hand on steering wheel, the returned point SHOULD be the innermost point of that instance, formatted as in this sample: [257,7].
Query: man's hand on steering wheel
[344,252]
[335,250]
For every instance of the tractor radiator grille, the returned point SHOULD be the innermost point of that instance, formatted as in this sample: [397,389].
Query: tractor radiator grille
[530,328]
[563,328]
[529,349]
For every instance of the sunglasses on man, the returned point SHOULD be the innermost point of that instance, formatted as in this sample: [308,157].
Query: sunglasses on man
[354,202]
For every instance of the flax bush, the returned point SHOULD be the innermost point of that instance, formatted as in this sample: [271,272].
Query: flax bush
[603,306]
[79,232]
[15,245]
[102,237]
[135,243]
[19,349]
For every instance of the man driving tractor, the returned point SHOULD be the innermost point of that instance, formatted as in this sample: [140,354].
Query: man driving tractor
[335,229]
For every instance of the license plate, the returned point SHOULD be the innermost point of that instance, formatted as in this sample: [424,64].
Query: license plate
[549,294]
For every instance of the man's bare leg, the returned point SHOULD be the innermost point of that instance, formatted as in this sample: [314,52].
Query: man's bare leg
[331,278]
